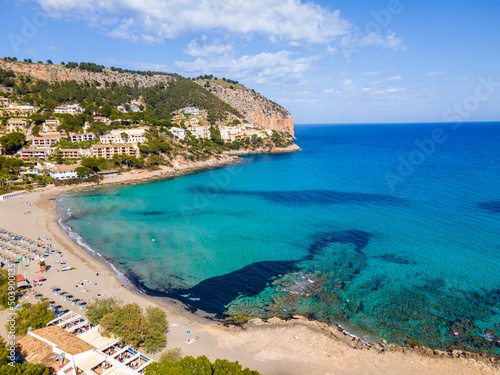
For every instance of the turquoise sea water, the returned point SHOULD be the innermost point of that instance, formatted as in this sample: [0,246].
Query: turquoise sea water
[392,231]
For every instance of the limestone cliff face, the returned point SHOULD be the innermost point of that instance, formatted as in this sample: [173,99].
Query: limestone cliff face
[54,73]
[254,107]
[271,121]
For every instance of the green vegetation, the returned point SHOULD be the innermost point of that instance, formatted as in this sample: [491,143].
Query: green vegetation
[37,118]
[72,124]
[200,366]
[215,136]
[98,97]
[34,316]
[17,368]
[83,171]
[4,288]
[161,100]
[99,307]
[9,168]
[66,143]
[36,130]
[180,92]
[279,140]
[210,76]
[96,164]
[12,142]
[7,78]
[136,327]
[133,162]
[139,72]
[174,354]
[156,144]
[102,164]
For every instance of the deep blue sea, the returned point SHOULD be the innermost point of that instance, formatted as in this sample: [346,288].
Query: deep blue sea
[392,231]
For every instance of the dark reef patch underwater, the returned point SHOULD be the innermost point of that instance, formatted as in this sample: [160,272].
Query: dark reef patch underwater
[493,207]
[320,233]
[248,281]
[303,197]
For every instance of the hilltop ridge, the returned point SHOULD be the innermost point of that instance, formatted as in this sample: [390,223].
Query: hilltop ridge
[254,107]
[69,123]
[248,105]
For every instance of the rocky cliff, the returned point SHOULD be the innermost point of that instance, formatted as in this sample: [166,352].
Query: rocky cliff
[254,107]
[54,73]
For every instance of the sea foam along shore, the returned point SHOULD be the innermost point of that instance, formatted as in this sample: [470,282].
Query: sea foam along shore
[272,347]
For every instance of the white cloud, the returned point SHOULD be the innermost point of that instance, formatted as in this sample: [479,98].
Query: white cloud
[390,79]
[366,92]
[391,41]
[347,82]
[434,74]
[264,67]
[389,92]
[331,50]
[354,42]
[395,78]
[195,50]
[291,21]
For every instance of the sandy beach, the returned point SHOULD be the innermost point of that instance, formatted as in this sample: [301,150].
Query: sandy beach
[297,347]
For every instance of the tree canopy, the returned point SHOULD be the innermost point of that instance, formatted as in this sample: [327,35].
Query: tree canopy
[130,323]
[12,142]
[34,316]
[161,100]
[4,287]
[200,366]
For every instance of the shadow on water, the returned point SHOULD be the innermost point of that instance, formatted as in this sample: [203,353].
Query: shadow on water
[214,294]
[493,207]
[358,238]
[302,197]
[151,213]
[395,258]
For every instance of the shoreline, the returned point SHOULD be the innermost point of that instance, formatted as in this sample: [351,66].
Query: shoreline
[271,346]
[165,174]
[121,274]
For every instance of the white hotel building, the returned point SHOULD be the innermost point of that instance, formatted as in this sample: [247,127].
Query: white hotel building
[116,136]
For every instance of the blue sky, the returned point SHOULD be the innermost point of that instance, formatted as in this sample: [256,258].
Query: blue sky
[343,61]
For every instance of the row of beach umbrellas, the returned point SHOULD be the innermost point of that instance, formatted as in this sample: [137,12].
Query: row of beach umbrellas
[68,297]
[14,244]
[29,241]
